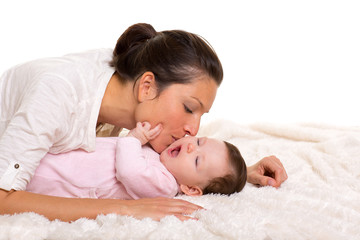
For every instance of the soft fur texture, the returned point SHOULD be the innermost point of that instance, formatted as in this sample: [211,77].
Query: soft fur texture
[320,200]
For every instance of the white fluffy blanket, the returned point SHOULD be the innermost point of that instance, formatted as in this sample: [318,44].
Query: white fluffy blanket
[320,200]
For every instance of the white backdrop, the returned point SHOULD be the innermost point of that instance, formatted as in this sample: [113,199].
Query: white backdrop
[284,61]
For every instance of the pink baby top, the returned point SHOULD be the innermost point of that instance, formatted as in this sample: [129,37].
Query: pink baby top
[119,168]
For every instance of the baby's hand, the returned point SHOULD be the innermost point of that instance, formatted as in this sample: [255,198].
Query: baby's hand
[144,133]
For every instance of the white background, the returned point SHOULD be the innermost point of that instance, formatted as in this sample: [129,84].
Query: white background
[284,61]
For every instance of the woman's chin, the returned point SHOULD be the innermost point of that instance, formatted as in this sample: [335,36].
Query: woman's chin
[157,146]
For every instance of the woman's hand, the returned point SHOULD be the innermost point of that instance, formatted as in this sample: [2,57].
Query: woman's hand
[157,208]
[71,209]
[269,171]
[144,133]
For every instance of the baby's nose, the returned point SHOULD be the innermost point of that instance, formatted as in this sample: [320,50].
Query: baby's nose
[190,147]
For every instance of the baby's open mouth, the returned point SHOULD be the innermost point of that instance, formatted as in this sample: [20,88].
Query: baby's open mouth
[175,151]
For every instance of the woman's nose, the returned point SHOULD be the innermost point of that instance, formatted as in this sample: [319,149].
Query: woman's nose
[190,147]
[192,127]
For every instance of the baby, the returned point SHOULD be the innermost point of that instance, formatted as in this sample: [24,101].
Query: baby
[127,168]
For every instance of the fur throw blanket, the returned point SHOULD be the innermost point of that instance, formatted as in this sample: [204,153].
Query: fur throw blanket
[320,199]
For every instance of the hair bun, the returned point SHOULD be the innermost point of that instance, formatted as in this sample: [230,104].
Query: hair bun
[134,36]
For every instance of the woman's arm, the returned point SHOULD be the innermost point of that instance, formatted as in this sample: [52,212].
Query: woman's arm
[36,120]
[70,209]
[269,171]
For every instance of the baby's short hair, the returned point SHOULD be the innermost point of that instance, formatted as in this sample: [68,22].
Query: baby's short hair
[233,182]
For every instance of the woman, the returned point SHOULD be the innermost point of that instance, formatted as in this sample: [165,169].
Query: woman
[54,105]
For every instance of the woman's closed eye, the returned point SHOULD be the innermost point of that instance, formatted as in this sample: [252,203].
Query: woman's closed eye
[187,109]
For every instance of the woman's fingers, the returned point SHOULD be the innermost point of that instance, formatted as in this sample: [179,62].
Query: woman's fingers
[269,171]
[184,218]
[276,169]
[157,208]
[175,206]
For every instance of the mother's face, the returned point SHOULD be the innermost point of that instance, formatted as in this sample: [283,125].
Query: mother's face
[178,108]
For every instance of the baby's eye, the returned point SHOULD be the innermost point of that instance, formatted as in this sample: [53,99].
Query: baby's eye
[196,161]
[198,142]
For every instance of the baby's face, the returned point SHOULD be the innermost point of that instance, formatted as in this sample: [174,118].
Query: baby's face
[195,161]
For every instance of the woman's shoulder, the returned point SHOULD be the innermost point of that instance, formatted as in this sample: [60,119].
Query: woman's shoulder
[84,67]
[87,63]
[92,56]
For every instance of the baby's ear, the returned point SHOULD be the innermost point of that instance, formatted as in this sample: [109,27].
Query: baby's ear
[191,190]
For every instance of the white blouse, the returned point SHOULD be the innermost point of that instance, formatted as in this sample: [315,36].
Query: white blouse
[49,105]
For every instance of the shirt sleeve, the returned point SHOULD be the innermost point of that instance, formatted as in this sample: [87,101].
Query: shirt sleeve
[36,124]
[142,177]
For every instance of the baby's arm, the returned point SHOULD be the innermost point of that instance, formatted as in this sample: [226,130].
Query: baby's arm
[142,177]
[144,133]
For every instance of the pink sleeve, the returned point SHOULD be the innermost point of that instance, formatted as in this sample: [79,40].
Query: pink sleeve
[142,177]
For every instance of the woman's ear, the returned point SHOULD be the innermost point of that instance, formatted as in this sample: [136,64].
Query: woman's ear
[147,87]
[191,190]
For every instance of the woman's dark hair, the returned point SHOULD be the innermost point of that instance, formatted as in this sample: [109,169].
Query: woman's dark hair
[230,183]
[172,56]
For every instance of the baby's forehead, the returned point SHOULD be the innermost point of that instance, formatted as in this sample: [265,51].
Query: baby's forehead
[212,140]
[217,145]
[220,156]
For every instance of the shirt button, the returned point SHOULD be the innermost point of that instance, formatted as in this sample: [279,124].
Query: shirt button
[16,166]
